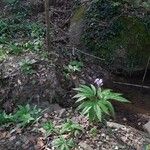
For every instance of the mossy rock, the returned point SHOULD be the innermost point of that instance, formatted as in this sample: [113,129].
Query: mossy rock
[132,44]
[122,39]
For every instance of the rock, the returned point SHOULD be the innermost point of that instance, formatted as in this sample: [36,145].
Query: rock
[112,34]
[147,127]
[115,125]
[12,138]
[53,108]
[61,113]
[85,146]
[124,119]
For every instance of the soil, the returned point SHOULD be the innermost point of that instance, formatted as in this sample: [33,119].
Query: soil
[110,137]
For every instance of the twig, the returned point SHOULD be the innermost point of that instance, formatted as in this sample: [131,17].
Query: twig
[89,54]
[58,28]
[61,10]
[129,84]
[145,71]
[96,57]
[47,19]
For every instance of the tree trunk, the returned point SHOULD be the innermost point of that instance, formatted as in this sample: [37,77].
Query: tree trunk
[47,17]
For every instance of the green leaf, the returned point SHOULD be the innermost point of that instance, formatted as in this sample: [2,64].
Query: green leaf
[99,93]
[84,104]
[91,115]
[98,112]
[88,89]
[110,107]
[109,95]
[80,97]
[104,107]
[86,110]
[94,89]
[83,93]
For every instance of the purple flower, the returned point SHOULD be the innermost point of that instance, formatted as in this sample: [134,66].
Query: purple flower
[99,82]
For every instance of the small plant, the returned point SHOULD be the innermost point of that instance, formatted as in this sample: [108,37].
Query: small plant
[71,127]
[49,128]
[63,144]
[26,115]
[3,39]
[26,67]
[3,54]
[94,131]
[15,48]
[4,118]
[95,101]
[73,66]
[37,30]
[34,45]
[23,116]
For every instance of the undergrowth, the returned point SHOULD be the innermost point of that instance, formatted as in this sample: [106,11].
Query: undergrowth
[24,116]
[18,34]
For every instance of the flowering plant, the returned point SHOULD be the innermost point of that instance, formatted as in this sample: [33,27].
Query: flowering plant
[95,102]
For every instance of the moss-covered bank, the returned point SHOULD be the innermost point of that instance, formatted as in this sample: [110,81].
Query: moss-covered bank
[119,33]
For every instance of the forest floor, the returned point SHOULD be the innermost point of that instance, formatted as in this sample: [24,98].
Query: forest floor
[125,132]
[112,136]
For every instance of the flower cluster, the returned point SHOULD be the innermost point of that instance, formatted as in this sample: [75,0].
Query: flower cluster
[98,82]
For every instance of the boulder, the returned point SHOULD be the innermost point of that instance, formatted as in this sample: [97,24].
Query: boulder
[113,31]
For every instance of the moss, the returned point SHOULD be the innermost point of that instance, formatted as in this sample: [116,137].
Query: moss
[79,14]
[135,39]
[127,37]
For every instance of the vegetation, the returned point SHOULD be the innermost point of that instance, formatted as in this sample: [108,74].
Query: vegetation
[17,27]
[27,67]
[71,127]
[95,102]
[115,34]
[24,116]
[49,128]
[72,67]
[63,144]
